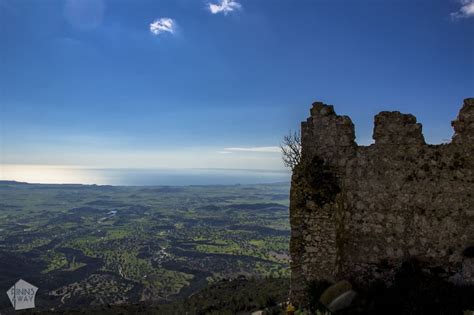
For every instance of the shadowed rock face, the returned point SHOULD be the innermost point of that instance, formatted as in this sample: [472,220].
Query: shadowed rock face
[464,124]
[378,206]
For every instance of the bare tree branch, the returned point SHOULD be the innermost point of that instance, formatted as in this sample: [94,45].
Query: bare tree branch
[291,149]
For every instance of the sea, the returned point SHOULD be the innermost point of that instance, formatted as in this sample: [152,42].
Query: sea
[56,174]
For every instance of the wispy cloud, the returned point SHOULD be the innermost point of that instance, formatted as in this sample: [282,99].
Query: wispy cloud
[224,6]
[466,10]
[254,149]
[163,25]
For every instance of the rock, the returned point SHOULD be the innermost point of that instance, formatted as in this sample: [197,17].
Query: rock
[334,291]
[364,207]
[397,128]
[464,124]
[342,301]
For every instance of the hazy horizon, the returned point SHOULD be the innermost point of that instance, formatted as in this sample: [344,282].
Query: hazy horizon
[64,174]
[180,84]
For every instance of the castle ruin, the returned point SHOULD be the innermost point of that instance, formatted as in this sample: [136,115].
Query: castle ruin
[358,212]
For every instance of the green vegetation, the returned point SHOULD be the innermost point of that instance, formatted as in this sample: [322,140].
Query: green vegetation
[238,296]
[55,261]
[95,245]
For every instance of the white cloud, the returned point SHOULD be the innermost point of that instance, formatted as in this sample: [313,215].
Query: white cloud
[225,6]
[466,10]
[255,149]
[162,25]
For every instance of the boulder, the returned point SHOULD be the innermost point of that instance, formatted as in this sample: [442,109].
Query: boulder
[342,301]
[331,293]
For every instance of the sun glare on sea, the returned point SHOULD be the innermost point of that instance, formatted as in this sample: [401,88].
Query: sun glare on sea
[47,174]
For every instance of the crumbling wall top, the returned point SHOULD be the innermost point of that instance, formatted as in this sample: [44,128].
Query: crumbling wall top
[464,124]
[325,130]
[397,128]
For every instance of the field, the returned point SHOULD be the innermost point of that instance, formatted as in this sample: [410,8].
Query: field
[96,245]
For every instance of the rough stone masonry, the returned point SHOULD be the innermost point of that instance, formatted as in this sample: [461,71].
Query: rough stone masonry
[358,212]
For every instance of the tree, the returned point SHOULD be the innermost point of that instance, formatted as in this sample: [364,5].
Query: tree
[291,149]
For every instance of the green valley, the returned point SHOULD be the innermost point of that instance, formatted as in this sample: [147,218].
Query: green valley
[96,245]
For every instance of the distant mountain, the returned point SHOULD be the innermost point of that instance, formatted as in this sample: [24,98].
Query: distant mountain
[12,182]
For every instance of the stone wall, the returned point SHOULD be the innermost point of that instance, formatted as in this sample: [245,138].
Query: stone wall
[359,212]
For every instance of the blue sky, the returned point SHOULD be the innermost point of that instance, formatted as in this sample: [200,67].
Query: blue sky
[191,83]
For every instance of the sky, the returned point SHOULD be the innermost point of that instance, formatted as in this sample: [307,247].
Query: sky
[217,84]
